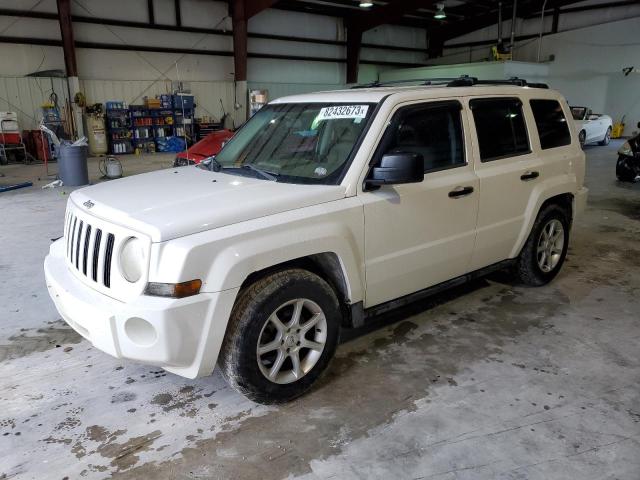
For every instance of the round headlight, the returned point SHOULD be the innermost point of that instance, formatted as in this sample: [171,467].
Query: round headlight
[626,150]
[132,259]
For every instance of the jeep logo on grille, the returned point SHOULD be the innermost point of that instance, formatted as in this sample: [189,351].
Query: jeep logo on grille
[88,204]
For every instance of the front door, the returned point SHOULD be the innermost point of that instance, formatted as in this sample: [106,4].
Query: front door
[418,235]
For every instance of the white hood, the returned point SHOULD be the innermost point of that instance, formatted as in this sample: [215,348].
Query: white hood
[181,201]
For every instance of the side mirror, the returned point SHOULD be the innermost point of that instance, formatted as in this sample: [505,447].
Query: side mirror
[638,124]
[397,168]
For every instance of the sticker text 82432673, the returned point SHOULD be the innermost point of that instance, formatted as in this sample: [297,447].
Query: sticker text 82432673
[343,111]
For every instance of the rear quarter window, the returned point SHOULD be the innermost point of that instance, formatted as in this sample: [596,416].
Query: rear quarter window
[551,123]
[501,128]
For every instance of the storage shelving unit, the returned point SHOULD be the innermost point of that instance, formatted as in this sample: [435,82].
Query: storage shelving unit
[118,125]
[149,129]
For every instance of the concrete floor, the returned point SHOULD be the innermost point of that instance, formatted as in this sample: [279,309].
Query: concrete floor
[487,381]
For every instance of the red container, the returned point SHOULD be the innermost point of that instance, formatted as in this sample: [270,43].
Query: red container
[12,138]
[33,141]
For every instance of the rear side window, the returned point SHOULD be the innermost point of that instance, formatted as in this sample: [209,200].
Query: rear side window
[433,130]
[500,126]
[551,123]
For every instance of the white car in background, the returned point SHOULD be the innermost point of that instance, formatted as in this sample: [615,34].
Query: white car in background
[592,127]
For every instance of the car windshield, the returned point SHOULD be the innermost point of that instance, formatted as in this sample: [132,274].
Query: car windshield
[578,113]
[296,142]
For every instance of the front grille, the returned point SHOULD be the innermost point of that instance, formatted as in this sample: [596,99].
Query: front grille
[86,251]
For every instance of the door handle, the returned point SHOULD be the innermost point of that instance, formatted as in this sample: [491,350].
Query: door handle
[529,176]
[460,192]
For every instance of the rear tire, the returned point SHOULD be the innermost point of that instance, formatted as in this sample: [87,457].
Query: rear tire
[606,139]
[283,332]
[546,248]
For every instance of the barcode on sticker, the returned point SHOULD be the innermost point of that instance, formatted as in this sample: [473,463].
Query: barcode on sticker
[343,111]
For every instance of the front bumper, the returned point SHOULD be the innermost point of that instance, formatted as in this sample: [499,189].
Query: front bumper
[182,336]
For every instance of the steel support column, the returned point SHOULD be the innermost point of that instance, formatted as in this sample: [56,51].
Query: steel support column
[354,42]
[70,65]
[66,33]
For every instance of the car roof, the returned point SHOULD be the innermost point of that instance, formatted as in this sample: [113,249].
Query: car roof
[375,94]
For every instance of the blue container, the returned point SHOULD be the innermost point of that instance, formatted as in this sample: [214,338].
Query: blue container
[166,101]
[183,101]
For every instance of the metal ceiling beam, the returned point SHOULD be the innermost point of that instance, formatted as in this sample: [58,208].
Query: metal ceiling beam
[66,33]
[360,22]
[241,12]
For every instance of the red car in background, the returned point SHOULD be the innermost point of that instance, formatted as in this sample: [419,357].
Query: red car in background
[205,148]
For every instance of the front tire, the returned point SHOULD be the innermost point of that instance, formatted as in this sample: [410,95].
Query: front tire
[625,170]
[544,253]
[283,332]
[606,139]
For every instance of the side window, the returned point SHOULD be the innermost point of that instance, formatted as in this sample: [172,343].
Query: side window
[433,130]
[500,127]
[551,123]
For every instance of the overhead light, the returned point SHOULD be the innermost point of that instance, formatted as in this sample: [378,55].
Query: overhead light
[365,4]
[439,15]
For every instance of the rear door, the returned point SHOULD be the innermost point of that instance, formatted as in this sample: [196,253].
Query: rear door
[421,234]
[508,170]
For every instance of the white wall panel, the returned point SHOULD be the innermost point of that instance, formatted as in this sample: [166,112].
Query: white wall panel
[44,6]
[277,90]
[26,59]
[133,10]
[396,35]
[164,12]
[296,24]
[283,71]
[202,13]
[25,96]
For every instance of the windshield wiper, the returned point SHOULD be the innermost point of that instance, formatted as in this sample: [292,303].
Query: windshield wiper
[259,171]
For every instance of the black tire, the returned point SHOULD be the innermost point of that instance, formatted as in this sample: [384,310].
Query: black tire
[528,269]
[238,358]
[582,138]
[606,139]
[625,171]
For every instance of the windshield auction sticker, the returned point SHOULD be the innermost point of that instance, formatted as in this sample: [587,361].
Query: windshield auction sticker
[343,111]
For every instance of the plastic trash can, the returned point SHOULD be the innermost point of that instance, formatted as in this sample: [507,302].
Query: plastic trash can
[72,165]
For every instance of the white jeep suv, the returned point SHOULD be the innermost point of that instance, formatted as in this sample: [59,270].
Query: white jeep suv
[324,210]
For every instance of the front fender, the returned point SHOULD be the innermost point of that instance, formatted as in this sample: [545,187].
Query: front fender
[551,187]
[224,257]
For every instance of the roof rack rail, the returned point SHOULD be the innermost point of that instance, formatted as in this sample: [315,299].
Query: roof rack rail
[419,81]
[461,81]
[466,81]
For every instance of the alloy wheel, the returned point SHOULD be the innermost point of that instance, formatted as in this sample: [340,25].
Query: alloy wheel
[292,341]
[550,245]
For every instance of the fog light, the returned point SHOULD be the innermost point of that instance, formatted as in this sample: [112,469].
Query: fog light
[140,331]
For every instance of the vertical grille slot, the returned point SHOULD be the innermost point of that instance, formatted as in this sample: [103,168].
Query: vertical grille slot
[107,260]
[73,237]
[96,251]
[67,229]
[78,237]
[87,237]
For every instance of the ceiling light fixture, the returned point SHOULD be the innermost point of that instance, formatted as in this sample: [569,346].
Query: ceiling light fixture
[439,15]
[365,4]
